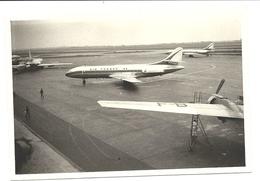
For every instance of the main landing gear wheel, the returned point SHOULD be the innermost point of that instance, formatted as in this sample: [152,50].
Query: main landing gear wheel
[84,82]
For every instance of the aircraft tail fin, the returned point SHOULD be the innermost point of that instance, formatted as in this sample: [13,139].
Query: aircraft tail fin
[209,47]
[174,58]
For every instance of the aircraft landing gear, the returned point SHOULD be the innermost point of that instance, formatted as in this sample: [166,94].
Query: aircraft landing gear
[125,82]
[84,82]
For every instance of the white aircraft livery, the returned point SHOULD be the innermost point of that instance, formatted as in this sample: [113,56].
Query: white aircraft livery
[130,72]
[199,52]
[218,106]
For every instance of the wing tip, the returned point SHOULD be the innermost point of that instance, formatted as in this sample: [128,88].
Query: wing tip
[100,103]
[103,103]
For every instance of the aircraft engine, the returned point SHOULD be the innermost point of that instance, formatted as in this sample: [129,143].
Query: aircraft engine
[212,99]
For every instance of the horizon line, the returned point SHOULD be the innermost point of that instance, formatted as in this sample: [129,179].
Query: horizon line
[129,45]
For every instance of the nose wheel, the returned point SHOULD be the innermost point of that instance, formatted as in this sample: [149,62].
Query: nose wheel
[84,82]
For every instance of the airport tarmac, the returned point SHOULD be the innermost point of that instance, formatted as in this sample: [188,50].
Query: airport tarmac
[98,139]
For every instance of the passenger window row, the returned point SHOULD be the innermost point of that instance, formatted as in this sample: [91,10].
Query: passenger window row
[94,69]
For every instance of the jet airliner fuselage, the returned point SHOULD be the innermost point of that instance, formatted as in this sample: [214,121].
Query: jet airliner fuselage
[140,70]
[130,72]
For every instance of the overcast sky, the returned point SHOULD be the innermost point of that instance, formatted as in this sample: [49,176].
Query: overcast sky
[132,23]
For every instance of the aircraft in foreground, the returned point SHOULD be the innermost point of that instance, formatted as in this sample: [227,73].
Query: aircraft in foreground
[31,64]
[130,72]
[199,52]
[217,106]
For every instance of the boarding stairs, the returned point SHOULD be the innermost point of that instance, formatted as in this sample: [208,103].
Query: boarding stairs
[196,125]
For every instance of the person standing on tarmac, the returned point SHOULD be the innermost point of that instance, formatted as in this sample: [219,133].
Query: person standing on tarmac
[27,113]
[41,92]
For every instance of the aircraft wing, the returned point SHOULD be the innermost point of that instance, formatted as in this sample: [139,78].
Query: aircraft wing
[129,77]
[49,65]
[18,67]
[217,110]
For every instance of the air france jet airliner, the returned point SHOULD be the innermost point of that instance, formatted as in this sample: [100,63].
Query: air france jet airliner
[130,72]
[199,52]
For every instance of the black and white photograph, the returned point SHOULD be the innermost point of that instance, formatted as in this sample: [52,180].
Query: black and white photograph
[129,87]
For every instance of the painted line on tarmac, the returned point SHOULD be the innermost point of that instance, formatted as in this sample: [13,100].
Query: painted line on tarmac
[97,147]
[75,143]
[205,70]
[149,86]
[180,75]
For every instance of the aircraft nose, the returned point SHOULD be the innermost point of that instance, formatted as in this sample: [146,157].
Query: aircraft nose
[181,67]
[68,74]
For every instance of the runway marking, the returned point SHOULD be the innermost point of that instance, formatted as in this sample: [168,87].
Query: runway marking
[75,143]
[205,70]
[150,86]
[180,75]
[97,147]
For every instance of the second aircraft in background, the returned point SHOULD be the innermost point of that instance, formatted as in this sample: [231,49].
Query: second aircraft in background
[199,52]
[30,63]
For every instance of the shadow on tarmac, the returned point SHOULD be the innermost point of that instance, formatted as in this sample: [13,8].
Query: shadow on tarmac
[23,152]
[126,86]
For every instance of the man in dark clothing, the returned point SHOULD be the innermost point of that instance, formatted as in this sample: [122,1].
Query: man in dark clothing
[41,92]
[27,113]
